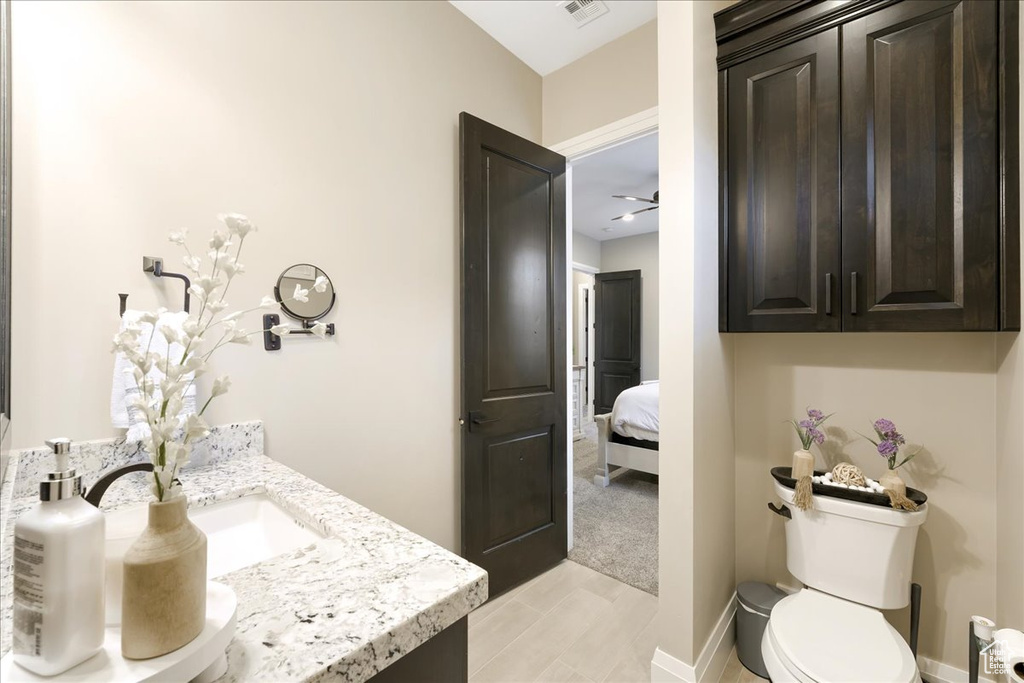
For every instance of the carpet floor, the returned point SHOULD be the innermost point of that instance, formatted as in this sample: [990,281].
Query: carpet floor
[615,529]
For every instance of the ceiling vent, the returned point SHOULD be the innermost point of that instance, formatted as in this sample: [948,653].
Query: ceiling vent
[582,12]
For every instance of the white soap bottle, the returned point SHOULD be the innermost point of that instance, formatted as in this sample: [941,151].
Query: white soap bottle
[58,574]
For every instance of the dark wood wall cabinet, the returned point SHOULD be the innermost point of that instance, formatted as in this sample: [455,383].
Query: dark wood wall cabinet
[868,157]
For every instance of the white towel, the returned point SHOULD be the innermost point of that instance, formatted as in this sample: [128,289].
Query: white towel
[122,414]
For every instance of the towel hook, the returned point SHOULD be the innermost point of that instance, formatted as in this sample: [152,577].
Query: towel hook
[155,265]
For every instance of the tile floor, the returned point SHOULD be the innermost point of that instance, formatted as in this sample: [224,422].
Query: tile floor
[571,624]
[568,624]
[737,673]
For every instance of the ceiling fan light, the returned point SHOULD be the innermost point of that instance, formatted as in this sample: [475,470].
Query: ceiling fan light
[628,217]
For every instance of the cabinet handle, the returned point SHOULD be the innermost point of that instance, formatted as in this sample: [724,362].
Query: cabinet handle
[828,293]
[853,293]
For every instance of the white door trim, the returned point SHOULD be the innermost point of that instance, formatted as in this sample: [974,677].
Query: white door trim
[613,134]
[605,137]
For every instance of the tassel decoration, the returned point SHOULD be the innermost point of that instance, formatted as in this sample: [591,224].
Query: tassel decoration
[803,495]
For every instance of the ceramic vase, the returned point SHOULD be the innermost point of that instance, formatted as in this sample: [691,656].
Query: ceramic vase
[891,480]
[164,597]
[803,464]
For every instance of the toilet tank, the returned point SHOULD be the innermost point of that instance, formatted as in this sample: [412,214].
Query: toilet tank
[856,551]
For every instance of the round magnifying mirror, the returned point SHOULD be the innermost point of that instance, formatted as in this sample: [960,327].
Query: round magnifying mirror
[305,276]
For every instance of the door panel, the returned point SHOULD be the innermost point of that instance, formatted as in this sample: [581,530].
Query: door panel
[520,357]
[920,167]
[617,332]
[513,361]
[519,483]
[782,201]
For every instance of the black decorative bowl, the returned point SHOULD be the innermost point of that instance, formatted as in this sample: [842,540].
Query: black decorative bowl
[782,475]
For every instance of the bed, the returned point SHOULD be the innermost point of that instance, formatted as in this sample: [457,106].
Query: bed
[627,437]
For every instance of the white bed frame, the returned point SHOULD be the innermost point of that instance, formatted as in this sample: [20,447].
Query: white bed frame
[615,458]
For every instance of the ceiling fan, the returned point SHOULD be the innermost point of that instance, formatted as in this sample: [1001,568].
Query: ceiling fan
[629,216]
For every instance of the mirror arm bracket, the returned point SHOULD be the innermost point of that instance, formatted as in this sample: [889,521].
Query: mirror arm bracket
[272,342]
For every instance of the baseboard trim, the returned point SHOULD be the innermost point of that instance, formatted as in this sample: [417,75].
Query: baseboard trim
[935,671]
[712,659]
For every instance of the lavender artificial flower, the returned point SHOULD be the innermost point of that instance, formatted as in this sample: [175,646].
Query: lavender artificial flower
[889,442]
[887,448]
[807,429]
[883,426]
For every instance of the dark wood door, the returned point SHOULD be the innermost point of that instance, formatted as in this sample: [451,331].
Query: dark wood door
[781,205]
[513,354]
[921,167]
[617,317]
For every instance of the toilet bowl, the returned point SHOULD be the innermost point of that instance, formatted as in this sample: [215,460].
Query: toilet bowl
[813,637]
[854,560]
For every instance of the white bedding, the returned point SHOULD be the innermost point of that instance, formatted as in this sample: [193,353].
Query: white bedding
[635,413]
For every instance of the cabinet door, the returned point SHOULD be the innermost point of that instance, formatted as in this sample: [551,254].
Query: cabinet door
[921,168]
[781,198]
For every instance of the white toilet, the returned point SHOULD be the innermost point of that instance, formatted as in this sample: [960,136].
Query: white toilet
[854,559]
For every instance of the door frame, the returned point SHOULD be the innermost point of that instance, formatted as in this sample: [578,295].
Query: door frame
[597,140]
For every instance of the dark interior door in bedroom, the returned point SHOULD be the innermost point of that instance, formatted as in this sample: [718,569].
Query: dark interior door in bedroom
[616,336]
[514,437]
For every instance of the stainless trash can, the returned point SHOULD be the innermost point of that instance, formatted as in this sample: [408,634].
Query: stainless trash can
[756,602]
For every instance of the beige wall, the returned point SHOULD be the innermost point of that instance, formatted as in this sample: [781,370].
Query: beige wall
[639,252]
[586,251]
[335,127]
[940,389]
[1010,470]
[696,557]
[611,83]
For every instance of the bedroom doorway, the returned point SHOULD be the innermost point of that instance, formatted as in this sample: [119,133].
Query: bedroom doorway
[613,222]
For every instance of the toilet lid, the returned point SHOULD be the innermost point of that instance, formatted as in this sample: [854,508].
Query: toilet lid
[831,639]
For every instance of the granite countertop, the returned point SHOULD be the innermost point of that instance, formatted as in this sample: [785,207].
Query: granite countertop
[342,608]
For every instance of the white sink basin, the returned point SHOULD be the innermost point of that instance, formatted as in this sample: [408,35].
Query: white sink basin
[239,533]
[248,530]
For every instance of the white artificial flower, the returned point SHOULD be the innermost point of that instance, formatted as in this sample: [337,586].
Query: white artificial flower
[178,237]
[176,454]
[268,302]
[236,223]
[231,268]
[174,405]
[301,294]
[198,293]
[320,284]
[170,387]
[220,386]
[193,263]
[241,337]
[194,363]
[320,330]
[280,330]
[152,316]
[163,429]
[219,240]
[195,427]
[217,306]
[207,283]
[170,333]
[230,317]
[191,326]
[166,478]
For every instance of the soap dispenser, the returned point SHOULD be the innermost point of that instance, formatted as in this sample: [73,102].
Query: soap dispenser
[58,574]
